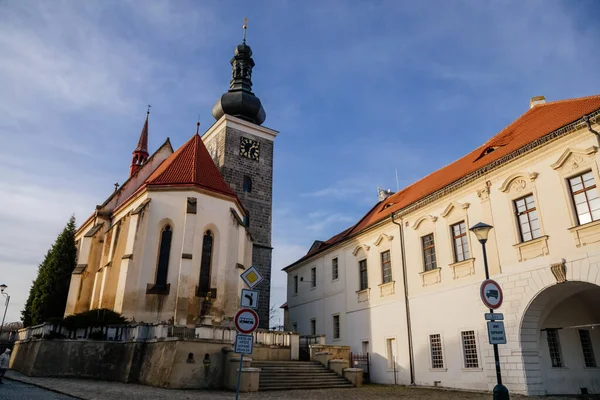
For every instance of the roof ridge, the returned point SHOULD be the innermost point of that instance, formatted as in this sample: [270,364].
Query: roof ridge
[547,103]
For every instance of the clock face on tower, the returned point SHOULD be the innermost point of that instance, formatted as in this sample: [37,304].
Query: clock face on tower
[249,148]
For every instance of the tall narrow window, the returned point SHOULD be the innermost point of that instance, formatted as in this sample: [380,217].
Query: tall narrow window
[529,224]
[334,269]
[295,284]
[313,277]
[364,278]
[554,348]
[313,326]
[295,327]
[336,326]
[364,346]
[386,267]
[391,354]
[588,350]
[429,260]
[585,197]
[247,184]
[116,239]
[247,219]
[461,243]
[163,256]
[437,358]
[469,349]
[205,264]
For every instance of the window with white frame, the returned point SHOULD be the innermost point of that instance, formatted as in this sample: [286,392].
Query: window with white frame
[364,346]
[585,197]
[313,277]
[334,269]
[554,348]
[588,350]
[295,279]
[527,217]
[429,259]
[364,277]
[336,326]
[386,267]
[313,326]
[437,358]
[469,344]
[391,354]
[460,241]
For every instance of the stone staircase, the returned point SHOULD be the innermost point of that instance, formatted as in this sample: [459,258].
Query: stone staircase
[287,375]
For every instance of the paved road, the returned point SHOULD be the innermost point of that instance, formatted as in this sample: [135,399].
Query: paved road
[12,390]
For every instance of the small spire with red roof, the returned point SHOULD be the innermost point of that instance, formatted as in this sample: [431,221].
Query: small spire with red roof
[140,154]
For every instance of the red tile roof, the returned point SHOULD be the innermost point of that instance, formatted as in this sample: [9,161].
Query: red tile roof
[535,123]
[190,165]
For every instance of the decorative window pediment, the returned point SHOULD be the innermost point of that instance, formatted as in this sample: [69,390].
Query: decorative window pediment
[574,157]
[518,181]
[359,248]
[381,238]
[422,219]
[452,206]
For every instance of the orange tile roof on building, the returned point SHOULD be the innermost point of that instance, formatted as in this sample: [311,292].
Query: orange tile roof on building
[191,164]
[537,122]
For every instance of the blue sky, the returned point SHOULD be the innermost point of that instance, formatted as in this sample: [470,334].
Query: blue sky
[357,89]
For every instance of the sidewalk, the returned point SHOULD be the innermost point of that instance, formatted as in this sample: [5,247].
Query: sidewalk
[86,389]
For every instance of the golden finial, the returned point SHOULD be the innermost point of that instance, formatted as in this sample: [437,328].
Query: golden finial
[245,26]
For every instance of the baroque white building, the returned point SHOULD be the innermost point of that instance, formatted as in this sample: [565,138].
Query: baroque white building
[403,282]
[170,243]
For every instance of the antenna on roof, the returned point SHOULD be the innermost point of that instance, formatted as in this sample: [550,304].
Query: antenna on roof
[397,185]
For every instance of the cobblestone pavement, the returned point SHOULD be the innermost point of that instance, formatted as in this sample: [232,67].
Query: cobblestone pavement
[12,390]
[100,390]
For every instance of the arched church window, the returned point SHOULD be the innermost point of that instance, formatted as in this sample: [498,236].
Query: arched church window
[205,263]
[163,256]
[247,184]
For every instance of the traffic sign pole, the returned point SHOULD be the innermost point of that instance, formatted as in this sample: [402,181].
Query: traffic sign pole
[237,390]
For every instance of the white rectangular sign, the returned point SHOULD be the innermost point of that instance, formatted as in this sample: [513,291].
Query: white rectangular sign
[496,332]
[244,344]
[249,299]
[494,316]
[252,277]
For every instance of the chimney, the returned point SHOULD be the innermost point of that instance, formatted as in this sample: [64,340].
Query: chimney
[536,100]
[383,194]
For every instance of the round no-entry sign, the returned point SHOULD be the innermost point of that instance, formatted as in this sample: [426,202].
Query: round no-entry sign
[491,294]
[246,321]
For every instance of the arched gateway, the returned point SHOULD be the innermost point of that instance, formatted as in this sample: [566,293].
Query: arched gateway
[553,328]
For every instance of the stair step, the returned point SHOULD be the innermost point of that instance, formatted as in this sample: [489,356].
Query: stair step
[304,387]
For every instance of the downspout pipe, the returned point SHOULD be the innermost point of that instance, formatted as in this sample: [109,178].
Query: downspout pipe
[406,302]
[588,123]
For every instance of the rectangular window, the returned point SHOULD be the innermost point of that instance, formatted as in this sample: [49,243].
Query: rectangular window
[437,358]
[585,197]
[554,348]
[386,267]
[469,349]
[313,277]
[391,355]
[364,278]
[364,346]
[295,327]
[313,327]
[295,284]
[336,326]
[461,243]
[588,350]
[334,269]
[429,260]
[527,217]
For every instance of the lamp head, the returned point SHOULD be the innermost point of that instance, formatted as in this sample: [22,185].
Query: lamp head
[481,230]
[2,288]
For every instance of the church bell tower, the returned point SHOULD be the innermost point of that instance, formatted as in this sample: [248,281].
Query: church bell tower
[243,151]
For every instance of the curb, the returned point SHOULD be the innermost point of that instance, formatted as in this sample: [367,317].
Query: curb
[43,387]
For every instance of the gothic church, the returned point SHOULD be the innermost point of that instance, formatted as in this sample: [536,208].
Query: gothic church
[171,242]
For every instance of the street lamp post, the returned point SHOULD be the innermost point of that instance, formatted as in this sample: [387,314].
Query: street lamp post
[482,230]
[2,289]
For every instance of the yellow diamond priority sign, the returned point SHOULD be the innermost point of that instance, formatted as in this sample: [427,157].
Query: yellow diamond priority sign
[252,277]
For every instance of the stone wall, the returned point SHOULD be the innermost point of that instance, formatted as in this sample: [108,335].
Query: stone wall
[337,352]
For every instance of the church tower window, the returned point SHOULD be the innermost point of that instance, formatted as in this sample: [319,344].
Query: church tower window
[247,184]
[163,256]
[205,263]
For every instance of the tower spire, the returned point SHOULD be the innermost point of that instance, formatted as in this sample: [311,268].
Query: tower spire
[140,154]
